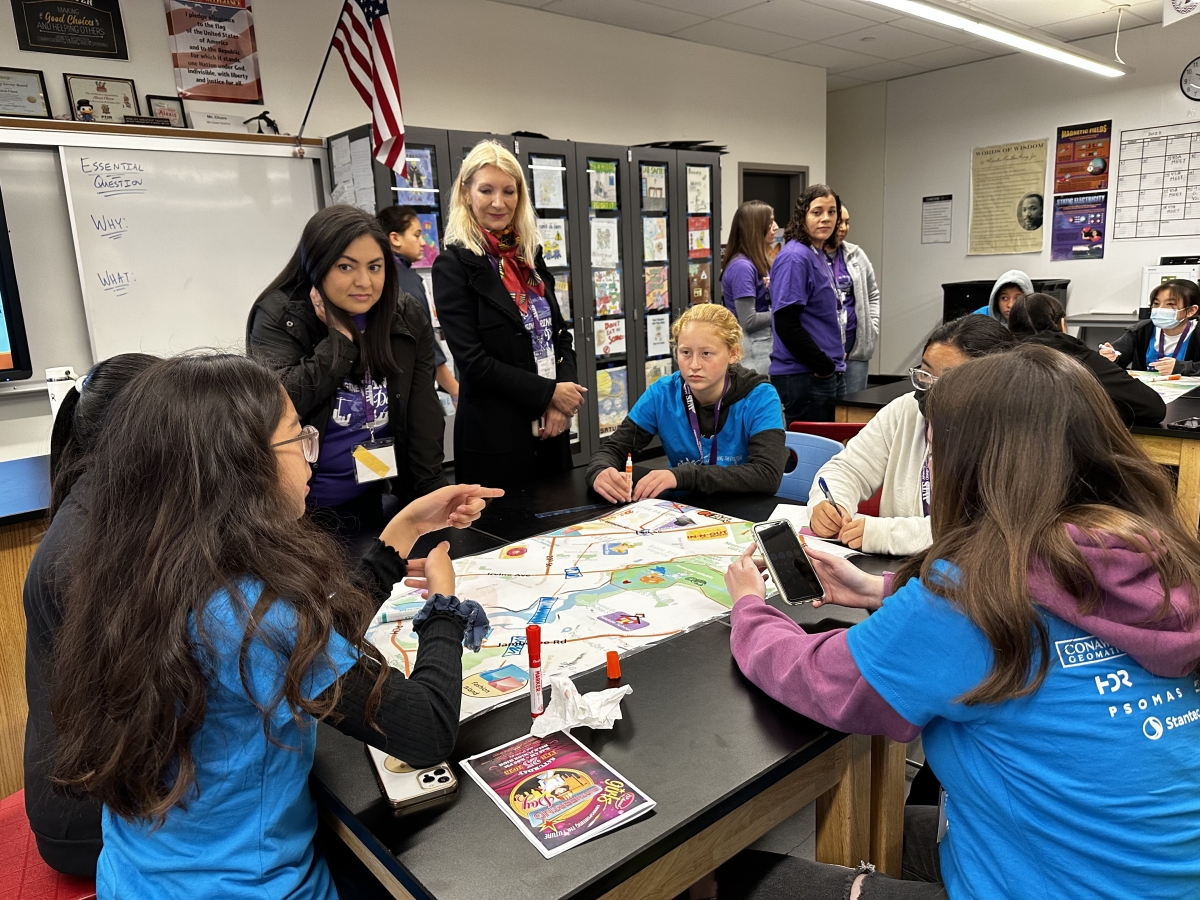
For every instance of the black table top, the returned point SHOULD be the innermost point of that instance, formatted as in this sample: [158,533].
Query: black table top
[696,736]
[24,489]
[877,397]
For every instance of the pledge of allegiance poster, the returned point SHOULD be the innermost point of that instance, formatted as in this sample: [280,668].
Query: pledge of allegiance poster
[213,50]
[1007,202]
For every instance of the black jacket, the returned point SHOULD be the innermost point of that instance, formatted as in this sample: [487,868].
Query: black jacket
[500,392]
[1131,349]
[1137,403]
[285,332]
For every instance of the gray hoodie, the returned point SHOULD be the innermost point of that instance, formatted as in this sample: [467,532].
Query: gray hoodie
[1012,276]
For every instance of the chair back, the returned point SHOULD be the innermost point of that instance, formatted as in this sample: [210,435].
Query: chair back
[27,876]
[806,454]
[840,431]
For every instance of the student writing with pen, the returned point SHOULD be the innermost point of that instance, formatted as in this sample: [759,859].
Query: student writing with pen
[720,423]
[1164,343]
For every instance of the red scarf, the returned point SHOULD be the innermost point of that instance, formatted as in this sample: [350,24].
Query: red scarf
[516,274]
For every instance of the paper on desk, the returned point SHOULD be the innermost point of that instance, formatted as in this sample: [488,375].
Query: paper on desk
[790,512]
[568,708]
[815,543]
[798,517]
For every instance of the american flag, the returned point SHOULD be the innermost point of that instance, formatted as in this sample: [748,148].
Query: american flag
[364,39]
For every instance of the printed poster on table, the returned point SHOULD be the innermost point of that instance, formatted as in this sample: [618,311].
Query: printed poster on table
[418,188]
[1007,203]
[657,292]
[1081,160]
[213,50]
[606,245]
[699,242]
[658,334]
[610,336]
[553,234]
[1078,229]
[699,193]
[602,184]
[654,187]
[654,238]
[612,398]
[430,246]
[547,182]
[606,284]
[73,27]
[556,791]
[656,369]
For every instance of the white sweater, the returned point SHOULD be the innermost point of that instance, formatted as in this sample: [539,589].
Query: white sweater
[887,453]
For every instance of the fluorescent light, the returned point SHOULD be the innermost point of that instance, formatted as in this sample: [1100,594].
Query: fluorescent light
[1000,35]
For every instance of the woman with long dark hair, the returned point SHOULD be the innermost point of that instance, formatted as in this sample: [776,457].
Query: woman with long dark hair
[1045,647]
[213,625]
[745,275]
[356,357]
[808,358]
[67,829]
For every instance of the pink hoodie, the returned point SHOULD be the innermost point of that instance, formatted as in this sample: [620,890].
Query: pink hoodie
[817,676]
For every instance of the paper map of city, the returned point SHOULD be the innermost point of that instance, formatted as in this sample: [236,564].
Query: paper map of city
[639,575]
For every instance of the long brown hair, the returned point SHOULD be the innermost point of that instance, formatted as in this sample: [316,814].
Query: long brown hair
[185,501]
[1026,442]
[797,228]
[748,235]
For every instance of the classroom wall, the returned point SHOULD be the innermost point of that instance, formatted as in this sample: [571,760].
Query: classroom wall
[930,124]
[585,81]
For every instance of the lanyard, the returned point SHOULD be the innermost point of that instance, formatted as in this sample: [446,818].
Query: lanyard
[694,421]
[368,407]
[925,482]
[838,294]
[1162,342]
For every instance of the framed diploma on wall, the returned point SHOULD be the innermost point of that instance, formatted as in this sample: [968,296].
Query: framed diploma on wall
[23,93]
[97,99]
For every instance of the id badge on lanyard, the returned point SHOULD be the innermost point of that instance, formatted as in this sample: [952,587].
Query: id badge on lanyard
[374,460]
[838,293]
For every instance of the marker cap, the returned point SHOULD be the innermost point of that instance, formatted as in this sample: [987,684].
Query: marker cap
[533,643]
[613,664]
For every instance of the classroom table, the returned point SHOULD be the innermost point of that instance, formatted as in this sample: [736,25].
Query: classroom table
[1167,447]
[724,762]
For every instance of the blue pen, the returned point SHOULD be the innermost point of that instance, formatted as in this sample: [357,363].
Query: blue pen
[828,496]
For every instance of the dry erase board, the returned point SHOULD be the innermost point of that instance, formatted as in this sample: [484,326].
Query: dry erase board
[173,247]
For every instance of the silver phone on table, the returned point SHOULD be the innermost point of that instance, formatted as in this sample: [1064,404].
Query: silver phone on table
[790,568]
[405,786]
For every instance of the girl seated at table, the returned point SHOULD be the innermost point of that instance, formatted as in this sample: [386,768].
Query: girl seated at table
[1163,343]
[209,625]
[892,453]
[720,423]
[1045,647]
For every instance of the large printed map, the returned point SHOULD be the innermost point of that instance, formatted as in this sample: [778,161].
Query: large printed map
[629,579]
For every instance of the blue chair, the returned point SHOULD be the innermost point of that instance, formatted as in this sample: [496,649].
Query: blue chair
[806,454]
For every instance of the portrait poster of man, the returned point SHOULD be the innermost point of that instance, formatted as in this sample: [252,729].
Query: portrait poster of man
[1007,198]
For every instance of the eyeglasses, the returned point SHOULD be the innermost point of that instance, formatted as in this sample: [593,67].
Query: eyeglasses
[921,379]
[310,442]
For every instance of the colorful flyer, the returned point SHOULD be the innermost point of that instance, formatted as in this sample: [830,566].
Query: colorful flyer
[431,246]
[1082,157]
[418,189]
[1078,231]
[699,282]
[606,243]
[553,234]
[699,242]
[610,336]
[556,791]
[602,184]
[607,285]
[612,398]
[657,292]
[699,193]
[547,181]
[654,187]
[654,238]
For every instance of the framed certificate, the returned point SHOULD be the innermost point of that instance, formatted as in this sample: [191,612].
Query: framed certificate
[97,99]
[170,108]
[23,93]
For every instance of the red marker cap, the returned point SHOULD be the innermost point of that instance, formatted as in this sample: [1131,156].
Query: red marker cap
[614,664]
[533,643]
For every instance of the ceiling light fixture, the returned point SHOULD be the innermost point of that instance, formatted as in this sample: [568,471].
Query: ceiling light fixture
[991,32]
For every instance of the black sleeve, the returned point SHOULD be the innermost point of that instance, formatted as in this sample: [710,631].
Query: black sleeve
[1126,347]
[760,474]
[379,570]
[628,438]
[799,342]
[310,378]
[1137,403]
[426,429]
[417,718]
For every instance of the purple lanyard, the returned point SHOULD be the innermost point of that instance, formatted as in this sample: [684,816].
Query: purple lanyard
[1162,341]
[368,407]
[694,421]
[830,272]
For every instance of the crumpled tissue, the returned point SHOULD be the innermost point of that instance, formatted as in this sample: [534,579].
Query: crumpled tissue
[568,708]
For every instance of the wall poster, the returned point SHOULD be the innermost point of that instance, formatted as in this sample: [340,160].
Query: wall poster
[1078,229]
[1081,158]
[213,50]
[1008,182]
[1158,183]
[74,27]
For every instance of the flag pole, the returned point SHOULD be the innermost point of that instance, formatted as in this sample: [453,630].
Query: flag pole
[313,95]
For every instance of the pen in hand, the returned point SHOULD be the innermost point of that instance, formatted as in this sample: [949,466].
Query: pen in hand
[828,496]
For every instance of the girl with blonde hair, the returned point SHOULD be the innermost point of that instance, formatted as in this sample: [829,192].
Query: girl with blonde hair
[496,305]
[719,422]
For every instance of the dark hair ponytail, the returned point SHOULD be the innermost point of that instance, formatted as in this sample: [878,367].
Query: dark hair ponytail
[82,416]
[1035,313]
[325,238]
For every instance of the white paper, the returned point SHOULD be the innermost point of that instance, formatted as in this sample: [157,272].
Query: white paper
[1158,183]
[698,193]
[553,235]
[654,238]
[936,218]
[547,182]
[606,245]
[797,516]
[569,709]
[790,512]
[610,336]
[658,334]
[339,149]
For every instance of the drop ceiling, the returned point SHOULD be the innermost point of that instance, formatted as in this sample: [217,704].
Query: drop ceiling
[854,41]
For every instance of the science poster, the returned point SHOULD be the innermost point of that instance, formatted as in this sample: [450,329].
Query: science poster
[1078,230]
[1081,158]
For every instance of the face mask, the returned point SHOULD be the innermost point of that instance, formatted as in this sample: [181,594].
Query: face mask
[922,396]
[1164,318]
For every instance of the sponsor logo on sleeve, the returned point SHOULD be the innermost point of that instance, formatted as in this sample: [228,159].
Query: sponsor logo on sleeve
[1085,651]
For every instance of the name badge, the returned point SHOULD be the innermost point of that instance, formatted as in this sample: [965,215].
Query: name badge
[546,367]
[374,461]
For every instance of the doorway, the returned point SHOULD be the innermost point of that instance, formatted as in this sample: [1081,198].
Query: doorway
[778,186]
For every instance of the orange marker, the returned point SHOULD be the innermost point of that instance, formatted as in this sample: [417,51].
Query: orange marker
[629,473]
[614,665]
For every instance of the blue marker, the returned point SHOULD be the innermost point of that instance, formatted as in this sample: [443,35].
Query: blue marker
[828,496]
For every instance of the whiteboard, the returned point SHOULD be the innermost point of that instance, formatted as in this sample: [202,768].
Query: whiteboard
[173,247]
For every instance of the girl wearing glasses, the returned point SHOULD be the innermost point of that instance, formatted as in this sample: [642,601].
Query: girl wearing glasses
[213,625]
[892,452]
[356,356]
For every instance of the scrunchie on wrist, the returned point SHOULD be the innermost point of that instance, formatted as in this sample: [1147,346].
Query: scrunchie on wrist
[471,614]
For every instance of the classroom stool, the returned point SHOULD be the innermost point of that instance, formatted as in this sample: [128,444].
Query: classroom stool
[26,877]
[841,432]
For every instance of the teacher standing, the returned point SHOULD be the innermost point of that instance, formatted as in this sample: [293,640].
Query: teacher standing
[496,306]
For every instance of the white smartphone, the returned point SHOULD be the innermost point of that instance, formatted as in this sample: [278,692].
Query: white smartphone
[405,786]
[790,568]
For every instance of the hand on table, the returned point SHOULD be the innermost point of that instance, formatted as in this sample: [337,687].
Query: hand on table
[654,483]
[743,578]
[845,583]
[453,506]
[613,486]
[554,423]
[318,303]
[852,533]
[825,521]
[1164,366]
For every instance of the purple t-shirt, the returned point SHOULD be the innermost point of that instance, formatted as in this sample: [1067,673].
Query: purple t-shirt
[333,481]
[741,279]
[800,277]
[841,277]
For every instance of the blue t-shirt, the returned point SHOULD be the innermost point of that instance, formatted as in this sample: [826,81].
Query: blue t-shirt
[741,279]
[248,830]
[800,277]
[1088,788]
[1179,351]
[660,410]
[333,481]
